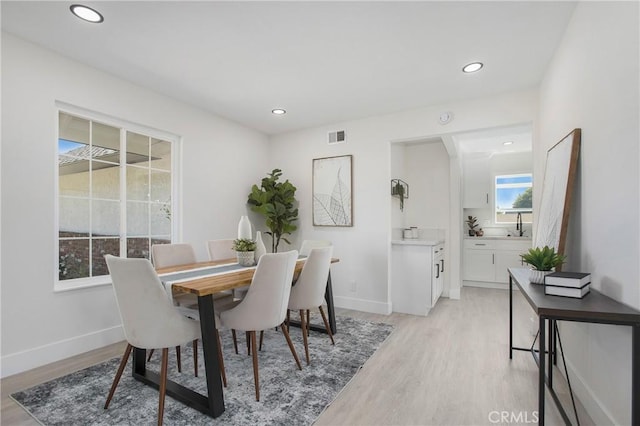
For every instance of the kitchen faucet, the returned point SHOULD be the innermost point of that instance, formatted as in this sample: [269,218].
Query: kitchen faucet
[519,224]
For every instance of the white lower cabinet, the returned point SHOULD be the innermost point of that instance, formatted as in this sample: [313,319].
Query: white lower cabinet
[488,260]
[417,277]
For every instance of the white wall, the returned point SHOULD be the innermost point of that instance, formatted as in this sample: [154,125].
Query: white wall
[398,171]
[428,177]
[221,160]
[592,83]
[364,248]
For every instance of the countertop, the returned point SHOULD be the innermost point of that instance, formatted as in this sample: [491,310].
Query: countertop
[499,238]
[417,242]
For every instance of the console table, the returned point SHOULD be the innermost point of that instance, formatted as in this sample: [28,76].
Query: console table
[593,308]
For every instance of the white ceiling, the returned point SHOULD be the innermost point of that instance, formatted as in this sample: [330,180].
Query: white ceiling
[491,141]
[324,62]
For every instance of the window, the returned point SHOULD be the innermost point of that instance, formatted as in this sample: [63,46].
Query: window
[513,196]
[114,195]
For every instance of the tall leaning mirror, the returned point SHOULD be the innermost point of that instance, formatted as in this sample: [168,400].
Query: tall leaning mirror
[557,187]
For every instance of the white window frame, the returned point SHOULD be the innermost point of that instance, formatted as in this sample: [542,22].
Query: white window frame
[124,126]
[495,192]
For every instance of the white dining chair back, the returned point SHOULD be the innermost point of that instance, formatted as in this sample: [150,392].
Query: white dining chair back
[265,304]
[307,245]
[148,317]
[167,255]
[221,249]
[309,290]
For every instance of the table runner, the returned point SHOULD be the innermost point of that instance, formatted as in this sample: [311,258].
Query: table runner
[170,278]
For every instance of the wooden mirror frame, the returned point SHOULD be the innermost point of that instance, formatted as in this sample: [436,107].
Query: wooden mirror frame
[557,188]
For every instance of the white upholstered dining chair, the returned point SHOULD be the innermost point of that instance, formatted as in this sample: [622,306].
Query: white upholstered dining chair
[265,304]
[221,250]
[168,255]
[148,317]
[307,245]
[308,292]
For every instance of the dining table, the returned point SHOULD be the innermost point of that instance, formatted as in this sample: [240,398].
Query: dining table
[205,279]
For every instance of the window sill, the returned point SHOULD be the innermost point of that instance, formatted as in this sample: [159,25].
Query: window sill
[80,283]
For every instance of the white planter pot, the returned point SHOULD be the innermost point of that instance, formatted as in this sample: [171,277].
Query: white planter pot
[246,258]
[537,277]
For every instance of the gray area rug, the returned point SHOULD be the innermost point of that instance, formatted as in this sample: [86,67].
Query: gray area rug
[287,395]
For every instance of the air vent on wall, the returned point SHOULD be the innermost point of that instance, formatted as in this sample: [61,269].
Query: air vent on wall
[337,137]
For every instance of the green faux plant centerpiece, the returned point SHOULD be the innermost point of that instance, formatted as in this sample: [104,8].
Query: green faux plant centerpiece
[244,244]
[245,251]
[542,261]
[276,202]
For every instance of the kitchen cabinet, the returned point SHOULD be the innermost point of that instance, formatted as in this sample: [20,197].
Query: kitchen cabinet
[487,260]
[476,183]
[417,275]
[437,283]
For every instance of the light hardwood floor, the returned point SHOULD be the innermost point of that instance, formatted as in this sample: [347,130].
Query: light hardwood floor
[449,368]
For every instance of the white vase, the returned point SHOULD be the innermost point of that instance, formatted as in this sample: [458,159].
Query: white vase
[246,258]
[260,248]
[244,228]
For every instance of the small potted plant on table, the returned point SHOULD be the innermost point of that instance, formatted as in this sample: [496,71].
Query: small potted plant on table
[542,262]
[472,222]
[245,251]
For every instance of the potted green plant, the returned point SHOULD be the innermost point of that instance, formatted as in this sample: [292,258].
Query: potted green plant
[245,251]
[472,222]
[276,202]
[542,261]
[398,190]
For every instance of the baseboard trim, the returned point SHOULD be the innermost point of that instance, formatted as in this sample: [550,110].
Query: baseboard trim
[589,400]
[36,357]
[362,305]
[484,284]
[453,294]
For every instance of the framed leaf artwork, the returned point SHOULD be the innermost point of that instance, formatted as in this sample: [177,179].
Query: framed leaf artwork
[557,189]
[332,191]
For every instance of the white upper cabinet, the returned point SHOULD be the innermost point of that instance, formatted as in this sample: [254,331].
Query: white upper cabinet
[477,183]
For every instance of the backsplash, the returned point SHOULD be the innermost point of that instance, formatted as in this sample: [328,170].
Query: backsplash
[423,234]
[485,221]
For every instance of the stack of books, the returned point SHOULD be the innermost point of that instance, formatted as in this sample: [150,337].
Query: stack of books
[567,284]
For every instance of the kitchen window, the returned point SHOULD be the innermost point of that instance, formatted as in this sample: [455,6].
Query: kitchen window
[513,195]
[115,184]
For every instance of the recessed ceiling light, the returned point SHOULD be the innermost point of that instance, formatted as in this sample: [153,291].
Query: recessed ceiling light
[472,67]
[507,143]
[86,13]
[278,111]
